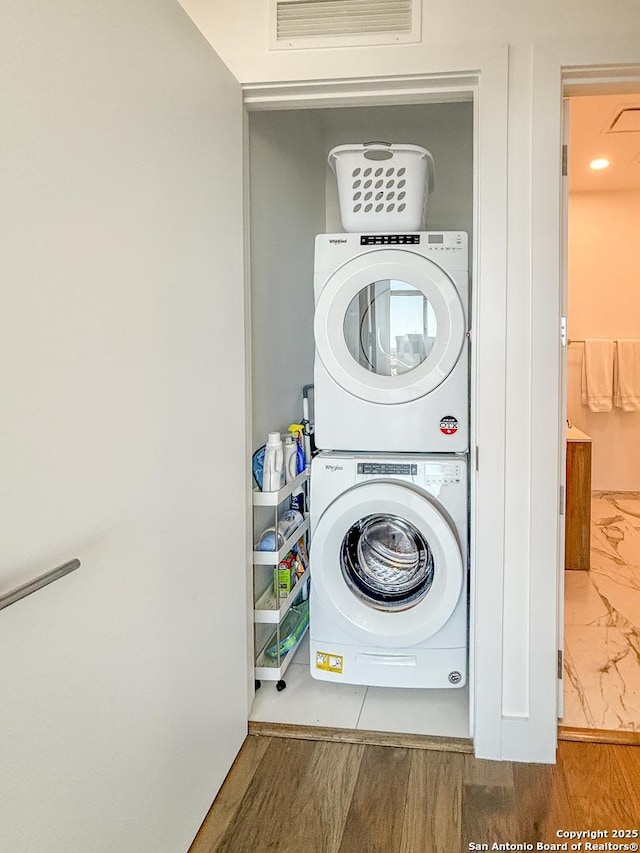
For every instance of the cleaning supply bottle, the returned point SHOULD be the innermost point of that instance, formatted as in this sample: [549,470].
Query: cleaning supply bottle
[297,430]
[297,497]
[273,469]
[290,458]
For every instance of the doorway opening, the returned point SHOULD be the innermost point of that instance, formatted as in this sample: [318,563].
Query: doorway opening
[294,198]
[602,380]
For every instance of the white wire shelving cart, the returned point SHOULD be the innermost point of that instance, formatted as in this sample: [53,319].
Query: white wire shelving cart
[280,617]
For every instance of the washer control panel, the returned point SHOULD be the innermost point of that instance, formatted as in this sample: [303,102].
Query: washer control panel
[446,472]
[421,472]
[382,469]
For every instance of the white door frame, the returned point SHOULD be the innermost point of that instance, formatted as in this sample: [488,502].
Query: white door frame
[555,64]
[564,344]
[484,70]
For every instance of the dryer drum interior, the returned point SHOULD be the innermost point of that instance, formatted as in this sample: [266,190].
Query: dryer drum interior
[387,562]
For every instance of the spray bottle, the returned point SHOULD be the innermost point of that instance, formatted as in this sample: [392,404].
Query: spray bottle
[297,497]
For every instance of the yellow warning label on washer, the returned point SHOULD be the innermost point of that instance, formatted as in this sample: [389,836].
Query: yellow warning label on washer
[329,663]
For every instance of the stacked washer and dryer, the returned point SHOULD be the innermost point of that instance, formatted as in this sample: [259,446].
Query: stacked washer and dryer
[389,489]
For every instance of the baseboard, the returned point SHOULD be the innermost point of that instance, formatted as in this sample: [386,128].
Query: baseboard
[623,738]
[410,741]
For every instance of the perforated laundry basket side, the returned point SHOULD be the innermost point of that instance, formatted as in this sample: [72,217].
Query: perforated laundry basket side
[383,186]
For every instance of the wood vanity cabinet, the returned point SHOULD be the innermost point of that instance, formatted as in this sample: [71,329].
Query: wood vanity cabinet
[577,541]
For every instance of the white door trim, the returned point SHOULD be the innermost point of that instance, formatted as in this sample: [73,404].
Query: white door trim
[562,449]
[478,72]
[554,62]
[366,91]
[488,407]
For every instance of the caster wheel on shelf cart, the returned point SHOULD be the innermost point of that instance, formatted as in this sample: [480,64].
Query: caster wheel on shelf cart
[257,684]
[281,685]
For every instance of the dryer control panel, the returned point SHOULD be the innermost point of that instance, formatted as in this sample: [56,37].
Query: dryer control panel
[448,249]
[390,239]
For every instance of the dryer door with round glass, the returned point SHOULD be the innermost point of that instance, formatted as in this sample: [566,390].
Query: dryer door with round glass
[389,326]
[388,560]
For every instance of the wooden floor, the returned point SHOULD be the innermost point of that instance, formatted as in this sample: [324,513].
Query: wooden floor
[302,796]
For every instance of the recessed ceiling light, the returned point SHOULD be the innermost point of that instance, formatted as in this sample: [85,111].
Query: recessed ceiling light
[599,163]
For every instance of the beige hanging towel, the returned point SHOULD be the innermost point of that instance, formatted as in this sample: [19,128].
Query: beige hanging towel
[597,375]
[626,389]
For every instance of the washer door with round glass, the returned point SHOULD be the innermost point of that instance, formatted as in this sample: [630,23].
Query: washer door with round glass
[389,326]
[388,561]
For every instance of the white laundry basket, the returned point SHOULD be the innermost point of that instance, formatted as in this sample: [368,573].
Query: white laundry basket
[383,187]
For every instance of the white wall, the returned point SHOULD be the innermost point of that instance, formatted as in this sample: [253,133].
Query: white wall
[238,29]
[604,302]
[287,177]
[122,426]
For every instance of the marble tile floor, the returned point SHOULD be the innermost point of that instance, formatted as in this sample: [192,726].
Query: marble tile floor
[602,621]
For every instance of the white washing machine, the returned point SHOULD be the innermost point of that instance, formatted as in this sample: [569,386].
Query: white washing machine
[388,603]
[391,366]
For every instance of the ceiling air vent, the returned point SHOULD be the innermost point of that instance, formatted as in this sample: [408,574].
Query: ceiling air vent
[297,24]
[626,121]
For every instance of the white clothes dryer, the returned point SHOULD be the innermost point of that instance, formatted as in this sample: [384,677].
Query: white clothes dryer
[391,368]
[388,602]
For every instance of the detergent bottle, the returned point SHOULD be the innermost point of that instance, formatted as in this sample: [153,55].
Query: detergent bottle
[290,458]
[273,470]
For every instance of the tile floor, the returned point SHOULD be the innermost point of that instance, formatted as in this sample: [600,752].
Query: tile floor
[602,621]
[308,702]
